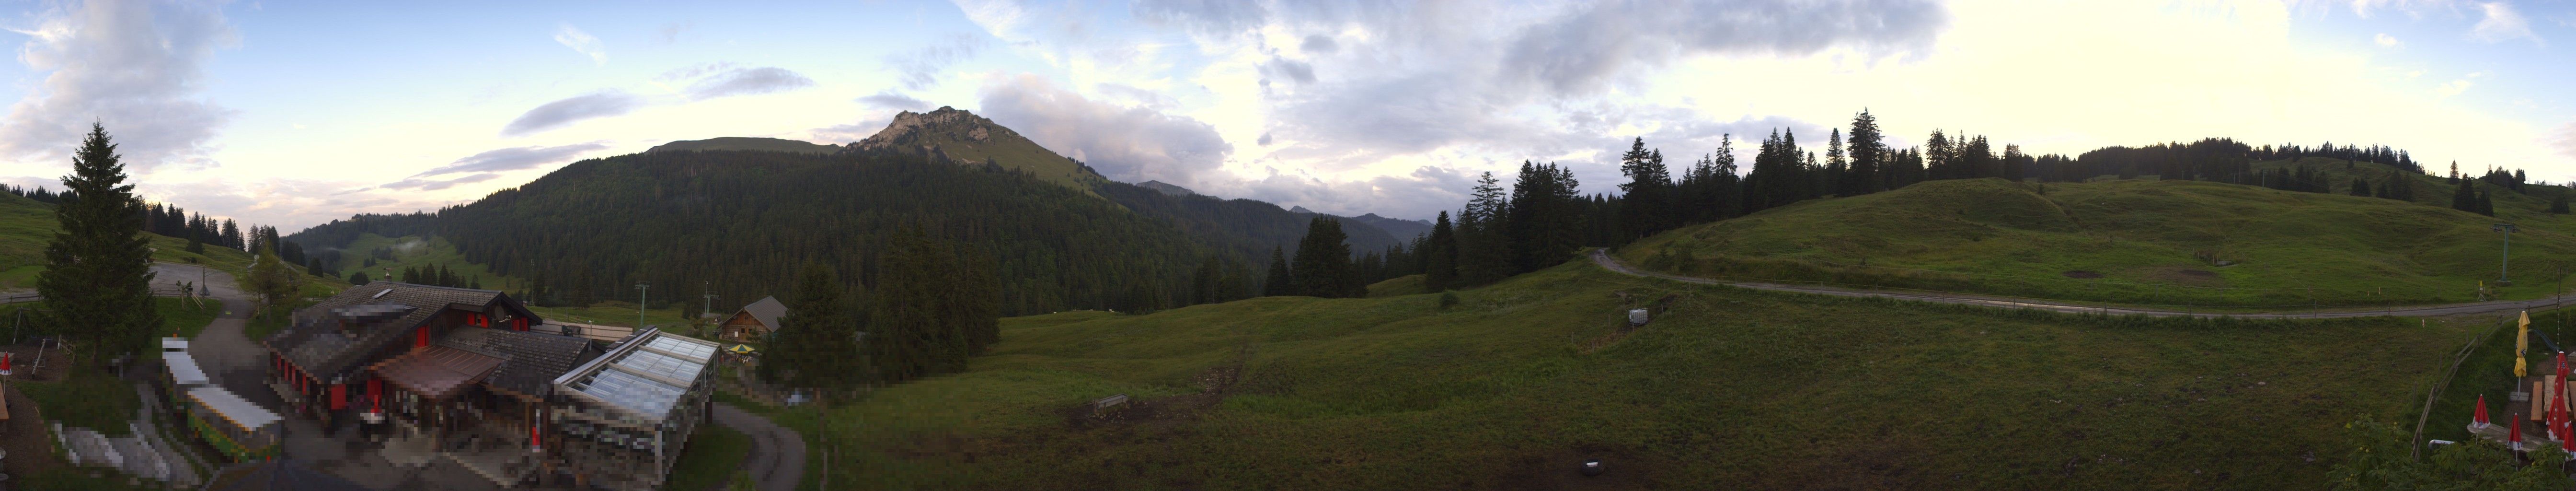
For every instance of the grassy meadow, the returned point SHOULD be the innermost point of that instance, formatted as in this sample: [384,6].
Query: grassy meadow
[1730,389]
[2133,241]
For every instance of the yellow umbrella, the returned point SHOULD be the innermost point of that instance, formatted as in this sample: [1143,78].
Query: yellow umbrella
[2521,342]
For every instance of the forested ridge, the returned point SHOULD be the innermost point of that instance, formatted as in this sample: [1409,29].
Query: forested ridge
[740,223]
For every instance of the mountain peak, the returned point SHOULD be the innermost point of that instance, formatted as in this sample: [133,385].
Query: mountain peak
[1299,209]
[954,135]
[909,126]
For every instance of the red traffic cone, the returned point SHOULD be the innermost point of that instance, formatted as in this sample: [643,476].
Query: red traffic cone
[2481,417]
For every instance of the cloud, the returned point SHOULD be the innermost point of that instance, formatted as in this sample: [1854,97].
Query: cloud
[1318,44]
[919,69]
[2384,40]
[137,67]
[1124,143]
[670,33]
[2452,88]
[2501,22]
[437,184]
[694,71]
[514,158]
[899,102]
[568,111]
[747,81]
[572,37]
[1293,69]
[1578,54]
[1206,17]
[2566,140]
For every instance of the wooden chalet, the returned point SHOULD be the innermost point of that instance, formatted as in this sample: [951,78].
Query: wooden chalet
[428,359]
[754,322]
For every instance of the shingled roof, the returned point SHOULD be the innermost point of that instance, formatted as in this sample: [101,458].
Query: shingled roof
[382,312]
[767,311]
[532,360]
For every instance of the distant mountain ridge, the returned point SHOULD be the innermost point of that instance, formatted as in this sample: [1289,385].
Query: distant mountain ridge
[746,143]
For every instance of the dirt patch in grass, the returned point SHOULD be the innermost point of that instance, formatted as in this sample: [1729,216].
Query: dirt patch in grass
[1562,469]
[1214,384]
[2081,274]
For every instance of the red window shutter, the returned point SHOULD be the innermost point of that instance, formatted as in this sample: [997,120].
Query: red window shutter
[422,339]
[339,397]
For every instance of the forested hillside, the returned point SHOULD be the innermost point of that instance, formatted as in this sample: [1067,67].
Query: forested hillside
[740,222]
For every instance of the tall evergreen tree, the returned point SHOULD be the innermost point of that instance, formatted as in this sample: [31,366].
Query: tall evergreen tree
[2360,187]
[817,342]
[1868,149]
[1646,204]
[98,272]
[1440,255]
[2558,203]
[1484,249]
[275,281]
[2465,197]
[1323,264]
[1278,282]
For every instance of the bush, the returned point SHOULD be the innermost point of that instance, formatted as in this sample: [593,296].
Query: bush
[1448,299]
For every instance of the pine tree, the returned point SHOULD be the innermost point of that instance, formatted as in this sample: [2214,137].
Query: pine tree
[1323,264]
[98,271]
[358,278]
[1646,204]
[2558,204]
[1440,255]
[2465,198]
[817,339]
[2360,187]
[1868,150]
[1278,283]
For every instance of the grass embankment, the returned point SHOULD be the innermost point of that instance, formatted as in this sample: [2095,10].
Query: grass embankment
[1398,286]
[1731,389]
[2126,241]
[714,455]
[89,398]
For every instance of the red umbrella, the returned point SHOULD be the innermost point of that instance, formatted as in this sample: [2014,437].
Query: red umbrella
[2481,417]
[2513,435]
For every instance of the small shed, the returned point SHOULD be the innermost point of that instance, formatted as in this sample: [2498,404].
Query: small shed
[240,429]
[754,322]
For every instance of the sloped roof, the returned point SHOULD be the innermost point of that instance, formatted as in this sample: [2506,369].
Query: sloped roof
[437,371]
[531,360]
[384,311]
[644,376]
[766,311]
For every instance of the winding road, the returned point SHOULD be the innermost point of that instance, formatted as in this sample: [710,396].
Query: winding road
[1602,257]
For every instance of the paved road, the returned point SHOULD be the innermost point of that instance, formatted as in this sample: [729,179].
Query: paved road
[1606,262]
[777,460]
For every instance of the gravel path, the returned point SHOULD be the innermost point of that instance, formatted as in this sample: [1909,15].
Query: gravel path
[777,460]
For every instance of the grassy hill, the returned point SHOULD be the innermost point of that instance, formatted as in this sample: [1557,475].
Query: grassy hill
[27,225]
[2134,241]
[747,143]
[1730,389]
[415,251]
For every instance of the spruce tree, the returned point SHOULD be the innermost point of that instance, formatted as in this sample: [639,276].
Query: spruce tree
[1646,203]
[98,272]
[2558,204]
[275,281]
[815,344]
[1323,264]
[2360,187]
[1278,283]
[1867,148]
[1440,256]
[359,278]
[2465,198]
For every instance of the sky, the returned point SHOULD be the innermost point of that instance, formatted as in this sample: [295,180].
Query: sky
[291,114]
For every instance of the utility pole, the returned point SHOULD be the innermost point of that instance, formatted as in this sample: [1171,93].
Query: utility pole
[642,288]
[711,298]
[2506,261]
